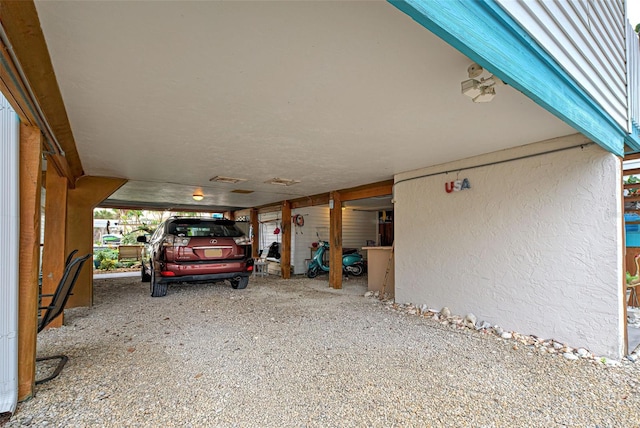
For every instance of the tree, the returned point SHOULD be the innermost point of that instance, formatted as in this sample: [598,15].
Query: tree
[106,214]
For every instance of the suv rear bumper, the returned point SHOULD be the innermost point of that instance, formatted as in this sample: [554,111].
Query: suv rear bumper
[203,278]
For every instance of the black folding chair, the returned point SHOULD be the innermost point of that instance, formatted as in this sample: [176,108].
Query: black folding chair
[56,307]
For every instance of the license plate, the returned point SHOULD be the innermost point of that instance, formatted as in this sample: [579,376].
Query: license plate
[213,252]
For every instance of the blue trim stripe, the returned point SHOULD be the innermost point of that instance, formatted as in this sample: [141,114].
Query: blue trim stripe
[483,31]
[633,140]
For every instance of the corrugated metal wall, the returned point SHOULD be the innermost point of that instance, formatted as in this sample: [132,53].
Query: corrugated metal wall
[633,70]
[9,235]
[587,39]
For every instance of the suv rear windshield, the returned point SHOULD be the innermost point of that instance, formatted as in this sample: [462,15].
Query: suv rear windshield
[200,227]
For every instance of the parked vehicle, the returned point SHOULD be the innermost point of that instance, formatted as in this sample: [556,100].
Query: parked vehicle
[191,249]
[352,262]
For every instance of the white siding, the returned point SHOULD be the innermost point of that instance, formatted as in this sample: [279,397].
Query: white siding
[9,229]
[357,228]
[268,223]
[633,70]
[534,246]
[316,223]
[587,39]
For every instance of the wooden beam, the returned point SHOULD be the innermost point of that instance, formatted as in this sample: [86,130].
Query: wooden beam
[29,264]
[310,201]
[285,251]
[13,89]
[270,208]
[631,186]
[632,156]
[335,241]
[61,165]
[54,252]
[255,237]
[372,190]
[22,27]
[81,201]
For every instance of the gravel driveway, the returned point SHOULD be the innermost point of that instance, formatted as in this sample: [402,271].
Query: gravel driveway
[297,353]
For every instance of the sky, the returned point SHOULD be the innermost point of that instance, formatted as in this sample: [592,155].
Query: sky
[634,11]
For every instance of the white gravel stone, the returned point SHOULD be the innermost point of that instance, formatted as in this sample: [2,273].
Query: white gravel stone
[582,352]
[470,320]
[570,356]
[297,353]
[445,312]
[506,335]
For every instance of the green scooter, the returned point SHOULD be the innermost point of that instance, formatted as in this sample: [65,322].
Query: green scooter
[352,262]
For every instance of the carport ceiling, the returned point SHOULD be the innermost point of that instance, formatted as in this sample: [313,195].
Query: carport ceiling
[333,94]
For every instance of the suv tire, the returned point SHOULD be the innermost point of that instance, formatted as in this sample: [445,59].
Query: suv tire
[239,284]
[158,289]
[144,276]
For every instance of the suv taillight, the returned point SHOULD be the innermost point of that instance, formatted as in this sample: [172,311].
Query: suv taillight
[242,240]
[175,241]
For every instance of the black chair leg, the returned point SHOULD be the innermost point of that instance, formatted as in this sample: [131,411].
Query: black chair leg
[63,360]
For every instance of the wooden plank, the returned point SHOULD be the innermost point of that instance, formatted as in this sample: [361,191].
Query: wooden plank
[633,171]
[54,253]
[29,264]
[631,198]
[22,26]
[335,241]
[255,236]
[372,190]
[285,249]
[632,156]
[631,186]
[81,201]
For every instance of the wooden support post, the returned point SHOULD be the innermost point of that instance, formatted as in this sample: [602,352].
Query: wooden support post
[255,227]
[81,201]
[335,241]
[285,251]
[29,264]
[54,252]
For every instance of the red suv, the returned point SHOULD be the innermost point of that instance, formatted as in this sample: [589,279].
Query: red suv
[192,249]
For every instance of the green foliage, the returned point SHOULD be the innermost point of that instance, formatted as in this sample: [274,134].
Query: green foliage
[108,264]
[107,259]
[638,28]
[632,180]
[106,214]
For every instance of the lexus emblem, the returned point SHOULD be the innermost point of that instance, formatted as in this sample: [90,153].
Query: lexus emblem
[213,241]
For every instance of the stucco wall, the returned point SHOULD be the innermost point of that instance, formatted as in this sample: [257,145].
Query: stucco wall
[534,246]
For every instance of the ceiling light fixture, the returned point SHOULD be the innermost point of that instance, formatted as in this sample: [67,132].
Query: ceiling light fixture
[482,90]
[198,195]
